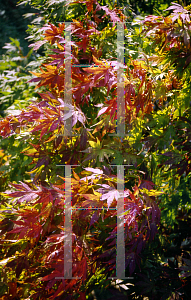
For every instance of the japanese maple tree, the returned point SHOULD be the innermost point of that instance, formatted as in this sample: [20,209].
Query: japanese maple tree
[33,211]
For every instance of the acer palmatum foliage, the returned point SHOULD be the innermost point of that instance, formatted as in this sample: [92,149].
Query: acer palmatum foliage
[34,222]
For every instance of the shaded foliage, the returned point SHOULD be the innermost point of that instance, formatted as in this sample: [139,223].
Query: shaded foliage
[13,24]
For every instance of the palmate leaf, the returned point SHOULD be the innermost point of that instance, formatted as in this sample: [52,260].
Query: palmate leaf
[96,171]
[110,196]
[111,13]
[177,8]
[48,117]
[49,77]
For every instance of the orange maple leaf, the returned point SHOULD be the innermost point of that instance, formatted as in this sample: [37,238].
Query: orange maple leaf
[52,33]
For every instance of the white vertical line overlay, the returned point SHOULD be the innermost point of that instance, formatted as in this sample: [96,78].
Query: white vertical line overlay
[68,225]
[120,80]
[120,257]
[68,81]
[120,260]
